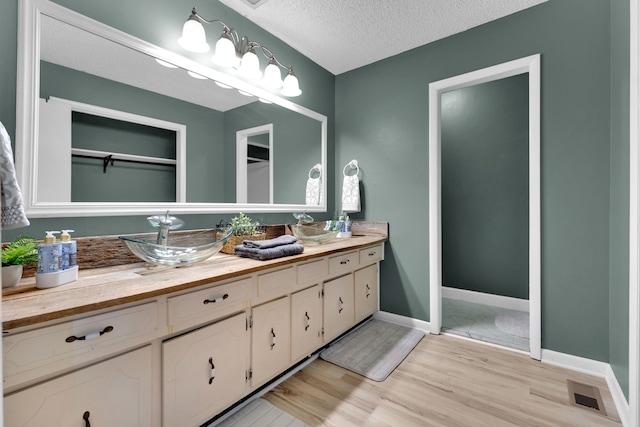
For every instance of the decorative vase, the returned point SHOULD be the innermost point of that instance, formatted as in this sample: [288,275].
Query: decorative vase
[11,275]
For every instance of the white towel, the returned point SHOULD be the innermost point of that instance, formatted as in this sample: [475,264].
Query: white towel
[351,194]
[13,215]
[314,188]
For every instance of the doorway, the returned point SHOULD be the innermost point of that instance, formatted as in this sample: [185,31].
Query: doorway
[254,165]
[528,272]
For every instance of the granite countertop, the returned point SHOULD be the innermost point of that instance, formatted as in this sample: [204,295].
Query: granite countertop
[99,288]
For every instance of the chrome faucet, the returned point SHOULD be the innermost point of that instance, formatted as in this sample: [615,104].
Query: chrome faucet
[164,223]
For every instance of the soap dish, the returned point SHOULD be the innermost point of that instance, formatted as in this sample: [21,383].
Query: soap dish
[51,280]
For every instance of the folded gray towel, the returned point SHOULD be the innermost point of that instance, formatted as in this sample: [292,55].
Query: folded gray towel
[269,253]
[271,243]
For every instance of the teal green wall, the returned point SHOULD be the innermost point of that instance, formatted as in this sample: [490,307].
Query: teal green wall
[160,22]
[619,220]
[484,133]
[382,120]
[296,148]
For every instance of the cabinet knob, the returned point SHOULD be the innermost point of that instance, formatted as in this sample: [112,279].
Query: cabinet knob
[217,299]
[90,336]
[85,417]
[213,370]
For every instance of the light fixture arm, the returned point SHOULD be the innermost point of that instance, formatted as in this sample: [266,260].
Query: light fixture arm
[245,60]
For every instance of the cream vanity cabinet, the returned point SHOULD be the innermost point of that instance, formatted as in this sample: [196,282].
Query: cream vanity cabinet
[180,358]
[204,371]
[115,392]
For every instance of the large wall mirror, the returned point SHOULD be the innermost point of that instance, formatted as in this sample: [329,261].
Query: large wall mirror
[109,124]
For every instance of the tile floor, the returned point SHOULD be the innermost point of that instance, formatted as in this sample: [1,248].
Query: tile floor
[478,321]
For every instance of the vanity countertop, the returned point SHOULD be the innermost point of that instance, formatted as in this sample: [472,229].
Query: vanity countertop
[101,288]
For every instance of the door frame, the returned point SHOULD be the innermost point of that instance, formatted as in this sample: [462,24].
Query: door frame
[530,65]
[242,142]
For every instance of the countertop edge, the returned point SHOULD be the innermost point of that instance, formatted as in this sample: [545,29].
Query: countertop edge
[109,287]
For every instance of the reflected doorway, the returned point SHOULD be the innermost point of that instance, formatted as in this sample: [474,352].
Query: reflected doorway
[254,165]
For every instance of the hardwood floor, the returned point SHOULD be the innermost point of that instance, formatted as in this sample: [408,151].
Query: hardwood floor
[445,381]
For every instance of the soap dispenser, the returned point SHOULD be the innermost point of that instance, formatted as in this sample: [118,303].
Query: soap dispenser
[49,253]
[50,273]
[69,250]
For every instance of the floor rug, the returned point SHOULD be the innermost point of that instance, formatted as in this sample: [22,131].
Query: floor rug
[373,350]
[514,323]
[260,413]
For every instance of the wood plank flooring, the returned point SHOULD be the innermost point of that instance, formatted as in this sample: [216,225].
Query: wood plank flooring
[445,381]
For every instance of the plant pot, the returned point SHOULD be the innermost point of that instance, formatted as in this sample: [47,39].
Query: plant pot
[11,275]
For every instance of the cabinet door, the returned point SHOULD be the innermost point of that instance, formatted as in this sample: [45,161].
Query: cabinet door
[366,291]
[116,392]
[270,340]
[204,371]
[306,322]
[338,311]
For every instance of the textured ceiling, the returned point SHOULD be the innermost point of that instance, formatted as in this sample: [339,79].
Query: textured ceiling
[342,35]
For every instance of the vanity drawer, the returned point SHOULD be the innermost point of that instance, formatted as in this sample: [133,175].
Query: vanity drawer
[343,263]
[371,255]
[203,306]
[40,352]
[312,272]
[277,283]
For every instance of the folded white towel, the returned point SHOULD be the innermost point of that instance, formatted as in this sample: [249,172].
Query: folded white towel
[351,189]
[314,187]
[13,215]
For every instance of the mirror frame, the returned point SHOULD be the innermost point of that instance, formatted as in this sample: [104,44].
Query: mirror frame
[27,119]
[530,65]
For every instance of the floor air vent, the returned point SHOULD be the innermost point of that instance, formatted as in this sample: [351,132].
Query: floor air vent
[586,396]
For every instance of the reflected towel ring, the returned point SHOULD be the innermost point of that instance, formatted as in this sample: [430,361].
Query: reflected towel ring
[316,168]
[353,164]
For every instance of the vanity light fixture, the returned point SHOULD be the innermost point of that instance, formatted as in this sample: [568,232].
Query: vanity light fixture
[239,53]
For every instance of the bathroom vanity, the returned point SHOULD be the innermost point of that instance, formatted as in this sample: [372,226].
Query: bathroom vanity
[134,345]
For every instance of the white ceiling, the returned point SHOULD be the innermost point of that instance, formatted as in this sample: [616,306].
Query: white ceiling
[342,35]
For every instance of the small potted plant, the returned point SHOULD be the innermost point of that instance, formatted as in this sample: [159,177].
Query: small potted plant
[245,228]
[22,251]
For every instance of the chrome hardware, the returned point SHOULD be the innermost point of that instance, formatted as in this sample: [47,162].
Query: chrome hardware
[90,336]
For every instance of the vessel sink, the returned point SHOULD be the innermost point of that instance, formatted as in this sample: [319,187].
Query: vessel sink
[181,249]
[313,234]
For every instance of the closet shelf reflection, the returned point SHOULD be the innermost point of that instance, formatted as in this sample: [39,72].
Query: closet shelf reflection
[108,158]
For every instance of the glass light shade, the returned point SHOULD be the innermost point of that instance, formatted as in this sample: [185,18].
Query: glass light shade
[250,66]
[290,86]
[196,75]
[193,37]
[272,77]
[225,54]
[222,85]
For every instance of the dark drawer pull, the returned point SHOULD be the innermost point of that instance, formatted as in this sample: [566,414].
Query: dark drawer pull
[213,370]
[90,336]
[85,417]
[273,339]
[341,305]
[219,299]
[307,320]
[372,253]
[345,262]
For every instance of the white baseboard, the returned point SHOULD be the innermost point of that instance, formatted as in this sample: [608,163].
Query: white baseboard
[403,321]
[487,299]
[592,367]
[574,363]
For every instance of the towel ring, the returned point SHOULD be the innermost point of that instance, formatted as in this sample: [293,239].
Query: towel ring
[353,164]
[316,168]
